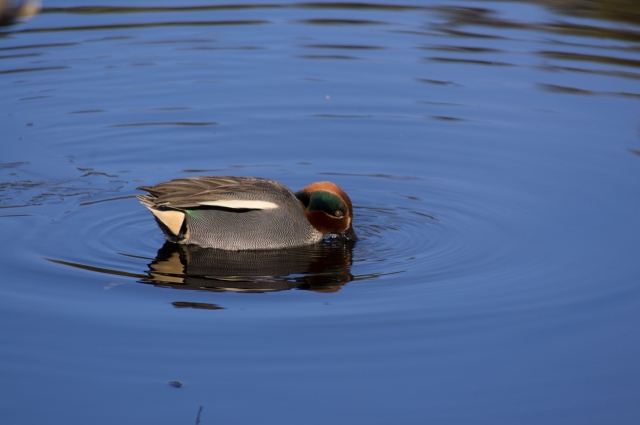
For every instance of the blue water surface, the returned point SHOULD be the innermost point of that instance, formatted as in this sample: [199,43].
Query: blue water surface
[490,149]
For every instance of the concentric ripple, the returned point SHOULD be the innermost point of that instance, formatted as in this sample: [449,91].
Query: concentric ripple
[434,235]
[450,234]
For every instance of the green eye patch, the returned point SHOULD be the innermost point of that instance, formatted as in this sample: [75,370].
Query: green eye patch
[327,202]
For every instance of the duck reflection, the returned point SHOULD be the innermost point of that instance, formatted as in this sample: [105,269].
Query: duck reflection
[322,267]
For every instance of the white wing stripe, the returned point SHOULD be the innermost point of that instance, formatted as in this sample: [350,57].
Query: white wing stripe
[240,204]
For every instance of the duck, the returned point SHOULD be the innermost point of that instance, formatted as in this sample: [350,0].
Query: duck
[248,213]
[15,11]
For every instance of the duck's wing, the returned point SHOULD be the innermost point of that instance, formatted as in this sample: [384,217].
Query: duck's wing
[216,191]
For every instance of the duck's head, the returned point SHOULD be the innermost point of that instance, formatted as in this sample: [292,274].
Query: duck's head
[328,209]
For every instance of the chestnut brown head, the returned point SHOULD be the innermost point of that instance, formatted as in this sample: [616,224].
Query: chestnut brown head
[328,209]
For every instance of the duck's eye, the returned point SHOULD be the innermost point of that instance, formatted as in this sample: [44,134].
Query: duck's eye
[338,213]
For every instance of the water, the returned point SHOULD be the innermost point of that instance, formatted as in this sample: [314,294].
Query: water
[491,151]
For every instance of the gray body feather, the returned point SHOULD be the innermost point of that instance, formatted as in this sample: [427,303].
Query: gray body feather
[232,228]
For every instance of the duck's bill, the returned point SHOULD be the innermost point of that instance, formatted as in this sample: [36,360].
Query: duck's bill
[349,234]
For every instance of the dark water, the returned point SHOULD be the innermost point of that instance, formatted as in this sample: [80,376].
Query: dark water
[492,153]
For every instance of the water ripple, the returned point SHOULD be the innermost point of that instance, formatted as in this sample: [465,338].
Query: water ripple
[398,234]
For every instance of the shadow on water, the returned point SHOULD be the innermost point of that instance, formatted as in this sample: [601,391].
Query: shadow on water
[323,267]
[455,23]
[613,10]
